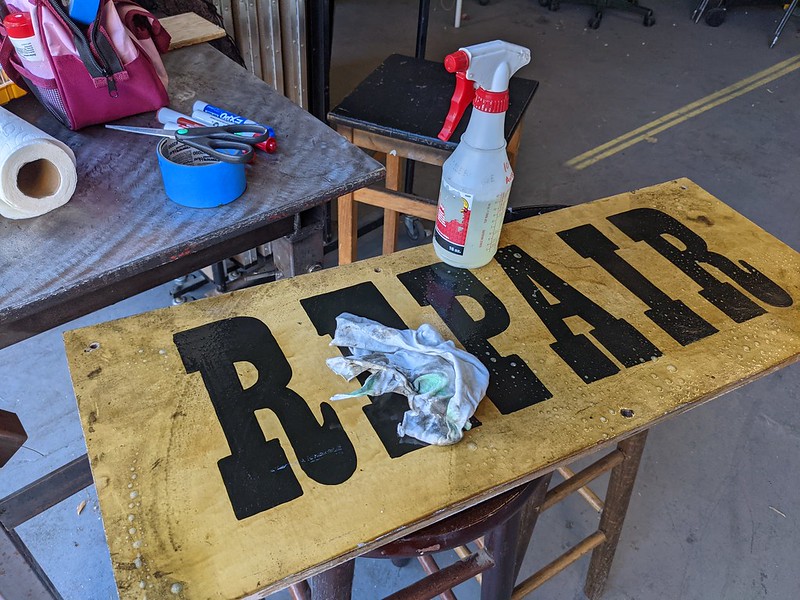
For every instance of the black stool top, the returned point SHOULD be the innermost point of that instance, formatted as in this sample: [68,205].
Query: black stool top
[408,99]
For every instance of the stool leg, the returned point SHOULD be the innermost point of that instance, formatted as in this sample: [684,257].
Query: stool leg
[501,544]
[347,217]
[335,583]
[348,229]
[300,591]
[618,496]
[529,515]
[391,218]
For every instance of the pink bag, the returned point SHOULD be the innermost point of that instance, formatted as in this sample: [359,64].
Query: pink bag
[111,70]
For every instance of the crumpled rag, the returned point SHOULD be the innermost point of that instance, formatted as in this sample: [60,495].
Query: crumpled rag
[443,383]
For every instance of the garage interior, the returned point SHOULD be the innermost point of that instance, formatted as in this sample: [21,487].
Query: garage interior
[716,508]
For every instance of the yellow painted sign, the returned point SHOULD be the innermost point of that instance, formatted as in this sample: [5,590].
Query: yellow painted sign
[223,470]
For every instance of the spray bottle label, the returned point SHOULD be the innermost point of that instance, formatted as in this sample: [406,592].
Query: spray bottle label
[469,227]
[452,219]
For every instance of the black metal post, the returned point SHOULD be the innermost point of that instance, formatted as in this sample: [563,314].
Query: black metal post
[422,42]
[320,37]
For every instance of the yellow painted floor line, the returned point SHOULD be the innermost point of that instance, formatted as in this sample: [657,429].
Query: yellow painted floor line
[684,113]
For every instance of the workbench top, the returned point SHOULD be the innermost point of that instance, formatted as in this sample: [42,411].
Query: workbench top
[120,234]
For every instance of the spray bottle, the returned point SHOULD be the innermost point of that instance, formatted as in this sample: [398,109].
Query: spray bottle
[476,179]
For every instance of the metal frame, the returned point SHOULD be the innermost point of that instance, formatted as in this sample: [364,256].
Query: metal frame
[59,309]
[21,575]
[269,36]
[293,46]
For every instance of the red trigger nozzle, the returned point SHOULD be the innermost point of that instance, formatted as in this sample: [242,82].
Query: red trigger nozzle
[457,61]
[462,97]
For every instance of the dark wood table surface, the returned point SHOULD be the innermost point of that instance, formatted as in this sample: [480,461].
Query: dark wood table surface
[120,234]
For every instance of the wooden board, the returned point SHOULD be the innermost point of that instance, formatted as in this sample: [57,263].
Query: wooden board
[187,29]
[222,467]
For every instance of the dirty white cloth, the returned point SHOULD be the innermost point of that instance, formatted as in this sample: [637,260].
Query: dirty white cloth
[443,383]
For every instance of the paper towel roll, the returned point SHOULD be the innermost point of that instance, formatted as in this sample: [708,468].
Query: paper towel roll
[37,171]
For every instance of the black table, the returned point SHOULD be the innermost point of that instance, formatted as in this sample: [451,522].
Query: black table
[120,234]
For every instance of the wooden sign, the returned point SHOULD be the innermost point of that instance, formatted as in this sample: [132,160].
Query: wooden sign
[223,470]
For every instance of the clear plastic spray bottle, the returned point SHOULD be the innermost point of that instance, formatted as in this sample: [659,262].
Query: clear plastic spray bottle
[476,179]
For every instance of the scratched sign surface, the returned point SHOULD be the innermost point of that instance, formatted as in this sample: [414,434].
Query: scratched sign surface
[224,471]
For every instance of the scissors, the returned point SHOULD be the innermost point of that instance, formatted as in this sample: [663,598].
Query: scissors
[211,140]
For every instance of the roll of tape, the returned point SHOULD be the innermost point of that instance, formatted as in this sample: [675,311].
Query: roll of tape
[193,178]
[83,11]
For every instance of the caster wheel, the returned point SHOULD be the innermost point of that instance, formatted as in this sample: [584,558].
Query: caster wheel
[544,2]
[715,17]
[649,19]
[594,22]
[414,228]
[400,562]
[554,5]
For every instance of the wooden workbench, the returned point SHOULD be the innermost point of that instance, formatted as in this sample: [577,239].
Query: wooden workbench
[223,470]
[120,234]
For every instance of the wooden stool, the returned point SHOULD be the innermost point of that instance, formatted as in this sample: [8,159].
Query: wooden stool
[398,110]
[502,528]
[500,522]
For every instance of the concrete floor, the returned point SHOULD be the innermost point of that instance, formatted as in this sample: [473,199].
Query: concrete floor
[716,509]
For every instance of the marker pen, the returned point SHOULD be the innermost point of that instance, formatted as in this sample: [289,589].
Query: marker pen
[167,115]
[270,145]
[201,116]
[182,122]
[213,118]
[204,109]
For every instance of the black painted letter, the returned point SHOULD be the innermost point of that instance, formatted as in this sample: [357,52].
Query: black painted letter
[650,226]
[257,474]
[673,316]
[618,336]
[365,300]
[512,385]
